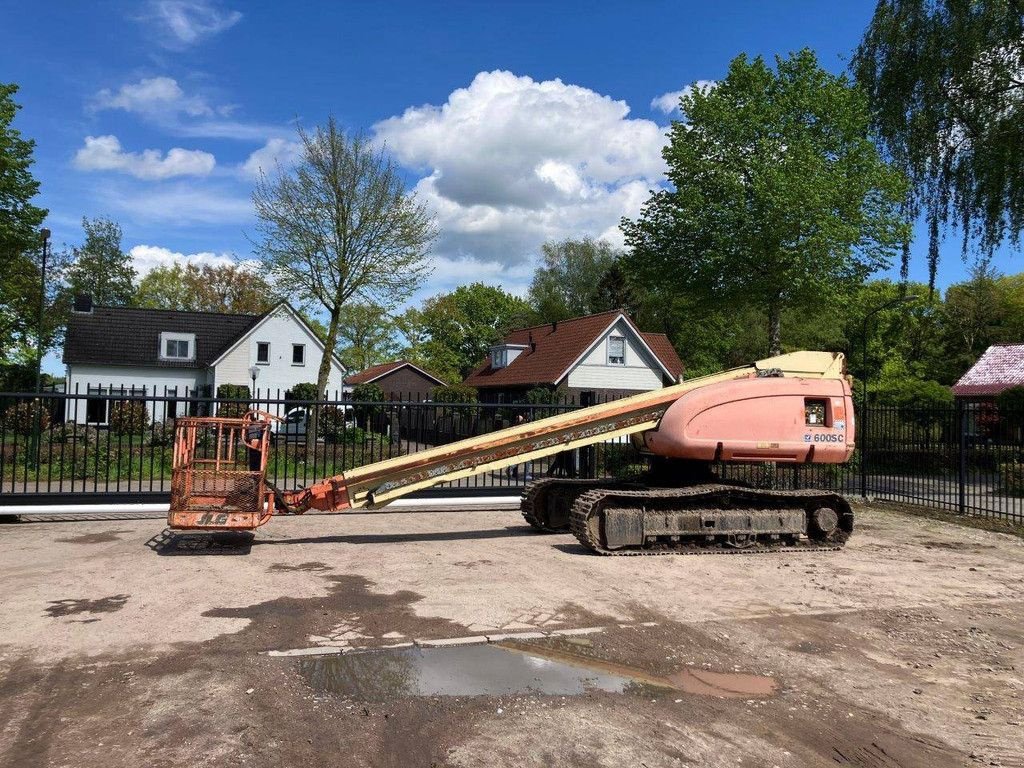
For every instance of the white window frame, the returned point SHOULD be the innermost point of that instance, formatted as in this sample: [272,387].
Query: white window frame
[611,358]
[189,338]
[262,362]
[303,348]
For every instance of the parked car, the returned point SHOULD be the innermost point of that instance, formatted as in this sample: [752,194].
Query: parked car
[296,421]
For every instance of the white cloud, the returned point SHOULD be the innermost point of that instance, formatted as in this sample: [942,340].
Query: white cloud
[511,162]
[267,158]
[669,102]
[159,97]
[146,258]
[183,23]
[104,153]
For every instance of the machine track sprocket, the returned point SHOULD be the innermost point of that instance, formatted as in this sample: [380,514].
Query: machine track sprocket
[709,519]
[547,502]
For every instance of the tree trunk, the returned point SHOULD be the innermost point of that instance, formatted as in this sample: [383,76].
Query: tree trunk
[322,375]
[775,328]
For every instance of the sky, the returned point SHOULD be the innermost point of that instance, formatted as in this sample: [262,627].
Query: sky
[515,123]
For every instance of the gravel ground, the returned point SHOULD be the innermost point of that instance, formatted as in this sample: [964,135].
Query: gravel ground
[124,645]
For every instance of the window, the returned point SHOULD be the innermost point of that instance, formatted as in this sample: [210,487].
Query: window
[298,354]
[499,358]
[96,407]
[616,350]
[177,346]
[816,413]
[263,352]
[171,406]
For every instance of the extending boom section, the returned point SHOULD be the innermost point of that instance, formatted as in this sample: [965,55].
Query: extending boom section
[387,480]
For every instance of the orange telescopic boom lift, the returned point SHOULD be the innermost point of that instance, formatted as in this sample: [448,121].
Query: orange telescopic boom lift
[793,408]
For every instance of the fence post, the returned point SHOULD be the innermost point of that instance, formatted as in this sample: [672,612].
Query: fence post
[863,444]
[961,465]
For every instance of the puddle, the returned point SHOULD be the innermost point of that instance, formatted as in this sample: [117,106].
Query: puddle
[495,670]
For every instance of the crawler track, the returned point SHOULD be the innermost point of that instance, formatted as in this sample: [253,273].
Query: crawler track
[555,494]
[681,506]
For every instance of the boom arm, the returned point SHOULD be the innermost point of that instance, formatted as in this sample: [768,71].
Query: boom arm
[385,481]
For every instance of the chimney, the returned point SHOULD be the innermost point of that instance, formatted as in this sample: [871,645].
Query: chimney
[554,326]
[83,304]
[533,344]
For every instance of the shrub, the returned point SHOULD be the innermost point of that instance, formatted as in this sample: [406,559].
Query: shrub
[162,434]
[128,417]
[304,391]
[364,396]
[1011,477]
[914,393]
[332,424]
[1011,399]
[233,392]
[24,417]
[70,432]
[454,393]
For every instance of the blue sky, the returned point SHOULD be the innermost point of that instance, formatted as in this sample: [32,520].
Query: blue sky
[517,122]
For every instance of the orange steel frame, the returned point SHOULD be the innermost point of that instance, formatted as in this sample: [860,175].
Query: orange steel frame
[212,491]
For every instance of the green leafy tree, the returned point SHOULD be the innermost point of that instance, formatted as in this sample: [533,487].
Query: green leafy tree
[231,288]
[566,284]
[366,397]
[946,84]
[366,336]
[20,241]
[779,199]
[341,227]
[99,267]
[461,326]
[615,290]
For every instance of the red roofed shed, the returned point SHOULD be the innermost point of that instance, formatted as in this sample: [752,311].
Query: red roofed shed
[999,368]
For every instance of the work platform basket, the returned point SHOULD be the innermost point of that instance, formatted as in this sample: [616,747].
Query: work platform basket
[218,480]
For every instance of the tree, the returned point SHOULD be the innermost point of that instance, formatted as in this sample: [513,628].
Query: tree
[779,199]
[461,326]
[946,83]
[366,336]
[99,268]
[233,288]
[615,291]
[341,226]
[20,241]
[567,282]
[971,313]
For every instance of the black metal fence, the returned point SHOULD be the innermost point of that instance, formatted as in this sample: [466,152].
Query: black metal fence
[114,445]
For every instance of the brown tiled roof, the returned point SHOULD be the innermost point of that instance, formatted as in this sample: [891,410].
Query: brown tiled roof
[551,348]
[128,336]
[374,372]
[1001,367]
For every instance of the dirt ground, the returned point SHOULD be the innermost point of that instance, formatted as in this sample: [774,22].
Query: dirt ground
[122,645]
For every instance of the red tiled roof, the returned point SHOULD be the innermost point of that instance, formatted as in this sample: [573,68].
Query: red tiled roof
[551,348]
[374,372]
[1001,367]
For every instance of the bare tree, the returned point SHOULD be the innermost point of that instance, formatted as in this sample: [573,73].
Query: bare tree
[341,226]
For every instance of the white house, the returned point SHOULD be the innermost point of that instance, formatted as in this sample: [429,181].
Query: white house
[159,353]
[593,357]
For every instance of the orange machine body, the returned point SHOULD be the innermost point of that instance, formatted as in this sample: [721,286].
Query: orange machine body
[759,419]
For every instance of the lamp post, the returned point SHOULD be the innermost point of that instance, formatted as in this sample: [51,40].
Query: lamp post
[863,429]
[37,427]
[45,233]
[254,373]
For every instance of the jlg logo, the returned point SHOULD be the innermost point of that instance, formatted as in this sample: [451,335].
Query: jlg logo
[211,519]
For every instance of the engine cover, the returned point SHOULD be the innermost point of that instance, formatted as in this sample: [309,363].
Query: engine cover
[760,419]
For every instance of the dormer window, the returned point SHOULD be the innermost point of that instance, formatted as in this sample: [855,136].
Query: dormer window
[177,346]
[503,355]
